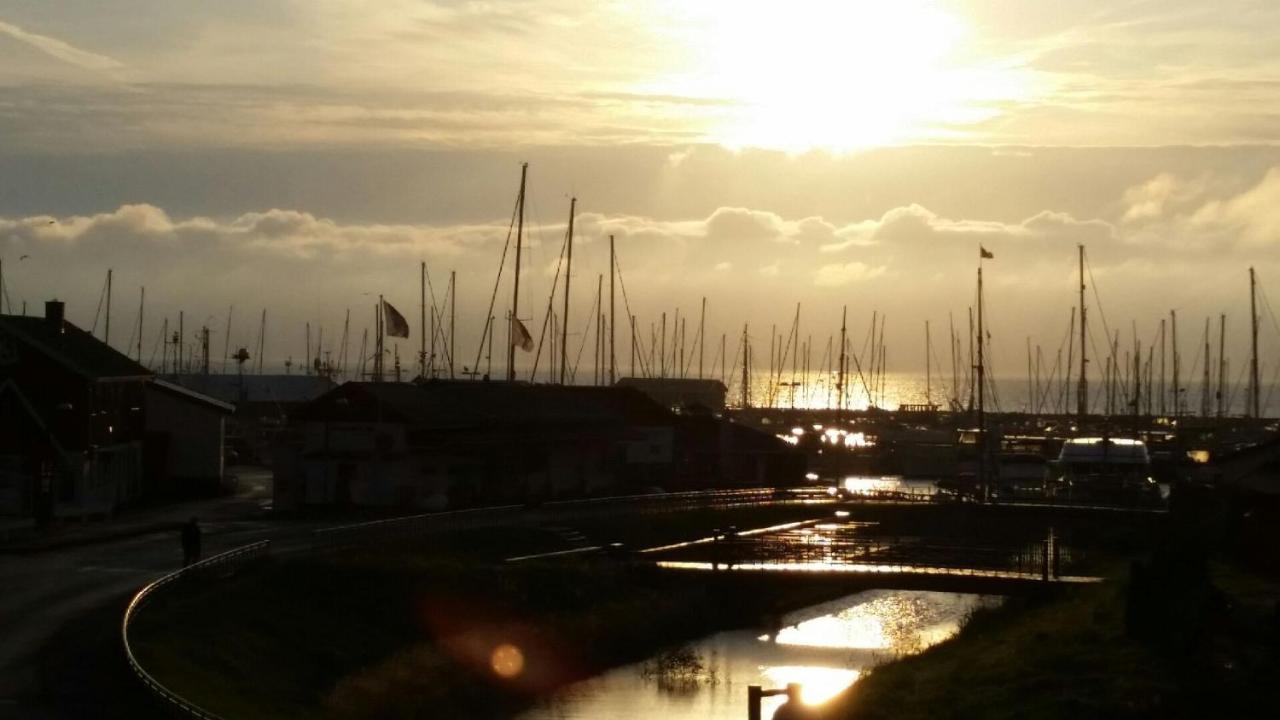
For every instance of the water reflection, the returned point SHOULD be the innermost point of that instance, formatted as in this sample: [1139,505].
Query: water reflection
[825,648]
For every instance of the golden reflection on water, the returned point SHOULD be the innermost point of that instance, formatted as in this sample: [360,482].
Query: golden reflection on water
[825,648]
[818,684]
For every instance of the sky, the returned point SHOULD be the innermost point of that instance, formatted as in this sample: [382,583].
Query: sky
[305,155]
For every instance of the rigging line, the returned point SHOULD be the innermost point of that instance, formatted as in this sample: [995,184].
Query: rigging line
[551,298]
[689,365]
[97,313]
[733,373]
[1235,387]
[934,353]
[591,320]
[437,317]
[1097,299]
[626,302]
[152,361]
[1057,364]
[1100,390]
[1266,303]
[488,322]
[1271,387]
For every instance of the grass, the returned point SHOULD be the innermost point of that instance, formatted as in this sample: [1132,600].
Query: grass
[1071,657]
[1030,658]
[408,631]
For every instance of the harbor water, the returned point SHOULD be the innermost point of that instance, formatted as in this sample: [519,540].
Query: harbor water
[825,648]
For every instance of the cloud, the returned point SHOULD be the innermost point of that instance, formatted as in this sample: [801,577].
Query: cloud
[60,50]
[910,261]
[839,275]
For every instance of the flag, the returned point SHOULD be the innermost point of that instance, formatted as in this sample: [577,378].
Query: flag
[520,336]
[985,253]
[396,325]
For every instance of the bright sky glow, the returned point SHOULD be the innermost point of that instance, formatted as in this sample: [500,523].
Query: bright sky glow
[813,74]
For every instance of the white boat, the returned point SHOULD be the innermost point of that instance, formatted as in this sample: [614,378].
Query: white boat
[1103,467]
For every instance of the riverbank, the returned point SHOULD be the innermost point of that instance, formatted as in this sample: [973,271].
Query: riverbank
[1090,654]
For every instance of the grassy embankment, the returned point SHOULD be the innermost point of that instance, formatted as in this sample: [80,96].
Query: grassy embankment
[1177,635]
[410,631]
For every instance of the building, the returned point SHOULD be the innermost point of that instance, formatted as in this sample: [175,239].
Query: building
[72,422]
[263,405]
[447,444]
[186,432]
[716,452]
[679,393]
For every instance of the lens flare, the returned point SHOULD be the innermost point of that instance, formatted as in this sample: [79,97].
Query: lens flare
[507,661]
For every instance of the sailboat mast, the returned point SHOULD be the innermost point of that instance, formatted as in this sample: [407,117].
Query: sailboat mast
[107,335]
[142,303]
[702,334]
[746,372]
[262,339]
[453,315]
[377,342]
[1205,384]
[982,419]
[613,335]
[1222,361]
[515,286]
[226,340]
[568,274]
[1254,388]
[955,370]
[346,343]
[928,366]
[1173,347]
[422,320]
[1082,390]
[844,315]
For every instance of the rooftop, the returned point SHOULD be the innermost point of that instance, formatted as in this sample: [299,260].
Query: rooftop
[73,348]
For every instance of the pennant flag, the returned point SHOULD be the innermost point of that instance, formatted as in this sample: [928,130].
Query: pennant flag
[520,336]
[986,254]
[396,325]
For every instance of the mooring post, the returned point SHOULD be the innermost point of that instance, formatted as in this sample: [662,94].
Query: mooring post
[755,694]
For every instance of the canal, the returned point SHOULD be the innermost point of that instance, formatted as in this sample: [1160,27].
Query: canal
[825,647]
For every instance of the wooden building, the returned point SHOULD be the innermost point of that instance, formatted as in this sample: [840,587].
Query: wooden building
[72,420]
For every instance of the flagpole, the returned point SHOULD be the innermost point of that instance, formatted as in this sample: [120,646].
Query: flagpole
[377,362]
[515,291]
[982,420]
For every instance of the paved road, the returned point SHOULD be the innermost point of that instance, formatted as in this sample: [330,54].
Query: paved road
[49,595]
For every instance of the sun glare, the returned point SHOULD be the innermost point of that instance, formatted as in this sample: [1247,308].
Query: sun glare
[839,75]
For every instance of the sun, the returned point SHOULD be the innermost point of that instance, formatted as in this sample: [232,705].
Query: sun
[807,74]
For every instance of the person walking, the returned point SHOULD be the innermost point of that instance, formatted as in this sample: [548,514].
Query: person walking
[190,542]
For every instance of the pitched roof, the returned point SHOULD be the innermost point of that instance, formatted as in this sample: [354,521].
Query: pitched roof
[192,395]
[72,348]
[446,403]
[235,389]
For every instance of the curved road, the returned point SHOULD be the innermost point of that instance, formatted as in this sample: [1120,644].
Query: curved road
[60,608]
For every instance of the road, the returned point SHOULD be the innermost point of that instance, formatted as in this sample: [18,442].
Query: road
[59,603]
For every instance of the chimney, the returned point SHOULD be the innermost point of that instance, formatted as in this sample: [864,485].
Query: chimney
[54,313]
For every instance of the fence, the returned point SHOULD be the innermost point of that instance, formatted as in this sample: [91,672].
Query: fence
[378,531]
[216,567]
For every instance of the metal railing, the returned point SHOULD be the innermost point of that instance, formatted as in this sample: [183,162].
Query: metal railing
[376,531]
[217,567]
[342,536]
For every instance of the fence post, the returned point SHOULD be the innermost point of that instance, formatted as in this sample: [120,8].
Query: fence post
[1044,560]
[754,694]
